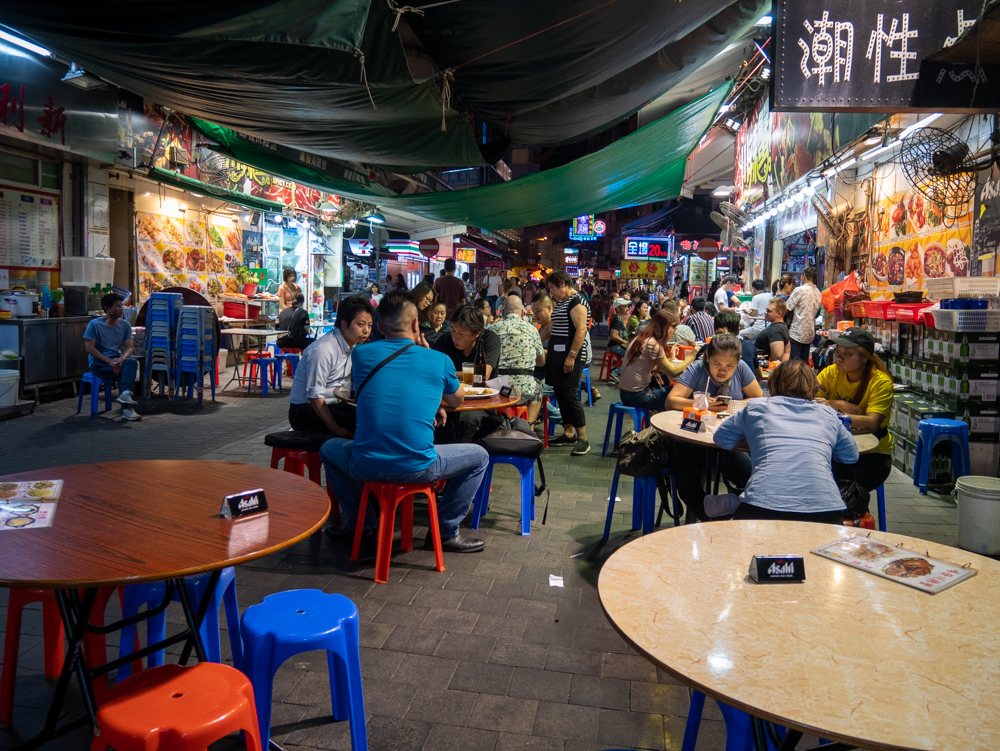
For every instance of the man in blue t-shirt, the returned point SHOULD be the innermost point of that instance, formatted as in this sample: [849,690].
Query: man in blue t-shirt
[108,342]
[399,406]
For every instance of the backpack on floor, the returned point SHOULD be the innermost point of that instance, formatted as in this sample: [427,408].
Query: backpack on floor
[643,454]
[500,434]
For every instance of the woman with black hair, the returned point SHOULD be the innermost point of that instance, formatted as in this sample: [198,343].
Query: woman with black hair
[567,335]
[719,372]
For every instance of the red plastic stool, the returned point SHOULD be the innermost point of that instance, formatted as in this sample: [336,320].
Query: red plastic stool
[390,495]
[298,460]
[610,361]
[53,643]
[178,708]
[519,410]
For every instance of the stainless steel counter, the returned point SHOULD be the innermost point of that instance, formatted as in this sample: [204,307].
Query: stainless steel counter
[51,349]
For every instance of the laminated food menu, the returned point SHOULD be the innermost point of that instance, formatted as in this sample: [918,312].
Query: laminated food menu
[899,564]
[28,505]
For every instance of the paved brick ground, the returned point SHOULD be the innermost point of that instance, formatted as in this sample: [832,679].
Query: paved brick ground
[483,656]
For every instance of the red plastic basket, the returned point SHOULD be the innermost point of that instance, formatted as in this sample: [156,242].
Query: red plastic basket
[857,310]
[877,309]
[909,312]
[240,310]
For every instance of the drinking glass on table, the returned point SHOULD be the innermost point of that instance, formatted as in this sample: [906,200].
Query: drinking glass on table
[468,369]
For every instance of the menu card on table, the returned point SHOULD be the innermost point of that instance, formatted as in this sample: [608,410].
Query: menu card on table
[28,505]
[899,564]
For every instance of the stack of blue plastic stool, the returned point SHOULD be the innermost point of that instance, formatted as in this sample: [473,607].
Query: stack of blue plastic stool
[195,349]
[931,432]
[640,418]
[161,319]
[526,466]
[151,595]
[96,382]
[301,620]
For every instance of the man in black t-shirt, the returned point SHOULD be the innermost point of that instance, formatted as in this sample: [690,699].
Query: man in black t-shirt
[459,344]
[774,342]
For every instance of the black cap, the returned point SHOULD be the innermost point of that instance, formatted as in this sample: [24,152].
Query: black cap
[856,337]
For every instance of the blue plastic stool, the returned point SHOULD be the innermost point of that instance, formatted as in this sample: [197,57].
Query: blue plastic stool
[739,734]
[96,382]
[151,595]
[880,492]
[931,432]
[586,375]
[263,363]
[526,466]
[643,503]
[300,620]
[616,414]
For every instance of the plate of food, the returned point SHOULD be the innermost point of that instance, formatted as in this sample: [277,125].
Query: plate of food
[174,259]
[215,239]
[898,218]
[914,267]
[957,256]
[196,260]
[234,240]
[150,258]
[173,231]
[194,234]
[233,287]
[148,228]
[880,266]
[214,287]
[935,260]
[896,262]
[916,214]
[197,284]
[148,284]
[216,261]
[909,568]
[473,392]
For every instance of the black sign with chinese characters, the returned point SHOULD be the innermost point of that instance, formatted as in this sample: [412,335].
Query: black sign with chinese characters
[859,55]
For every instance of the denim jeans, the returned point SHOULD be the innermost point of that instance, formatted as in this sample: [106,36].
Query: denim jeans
[462,463]
[129,371]
[800,351]
[616,349]
[654,399]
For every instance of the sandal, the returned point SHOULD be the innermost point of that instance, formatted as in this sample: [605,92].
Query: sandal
[595,394]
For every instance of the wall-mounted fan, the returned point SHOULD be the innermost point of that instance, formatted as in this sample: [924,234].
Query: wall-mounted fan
[939,165]
[729,219]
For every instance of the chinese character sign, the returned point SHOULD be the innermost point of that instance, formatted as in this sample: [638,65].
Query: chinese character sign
[643,270]
[859,54]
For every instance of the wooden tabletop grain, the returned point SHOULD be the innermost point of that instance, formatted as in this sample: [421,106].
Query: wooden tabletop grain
[140,521]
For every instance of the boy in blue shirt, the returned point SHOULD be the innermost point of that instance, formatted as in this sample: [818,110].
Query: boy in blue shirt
[108,342]
[398,408]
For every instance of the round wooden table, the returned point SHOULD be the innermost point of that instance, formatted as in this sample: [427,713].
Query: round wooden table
[669,423]
[469,405]
[142,521]
[846,655]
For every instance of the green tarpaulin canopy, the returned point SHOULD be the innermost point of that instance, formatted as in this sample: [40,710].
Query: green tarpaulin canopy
[646,166]
[231,196]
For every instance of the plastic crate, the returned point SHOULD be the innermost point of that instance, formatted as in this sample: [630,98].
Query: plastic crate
[967,320]
[877,308]
[963,286]
[909,312]
[857,310]
[240,310]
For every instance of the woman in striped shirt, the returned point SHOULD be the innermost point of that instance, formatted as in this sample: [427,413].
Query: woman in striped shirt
[564,361]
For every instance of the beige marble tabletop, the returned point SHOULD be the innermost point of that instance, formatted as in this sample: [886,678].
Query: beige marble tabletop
[846,655]
[669,422]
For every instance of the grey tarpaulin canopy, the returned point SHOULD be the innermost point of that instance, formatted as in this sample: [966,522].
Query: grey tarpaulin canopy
[290,71]
[646,166]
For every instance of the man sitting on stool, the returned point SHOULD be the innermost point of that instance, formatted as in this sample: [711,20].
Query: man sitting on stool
[108,342]
[399,383]
[326,366]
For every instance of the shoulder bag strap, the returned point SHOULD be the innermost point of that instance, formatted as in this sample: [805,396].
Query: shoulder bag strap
[377,368]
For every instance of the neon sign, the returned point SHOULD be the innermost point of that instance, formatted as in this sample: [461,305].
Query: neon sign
[587,228]
[659,248]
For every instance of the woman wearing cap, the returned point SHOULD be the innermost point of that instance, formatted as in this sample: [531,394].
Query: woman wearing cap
[617,333]
[859,385]
[809,494]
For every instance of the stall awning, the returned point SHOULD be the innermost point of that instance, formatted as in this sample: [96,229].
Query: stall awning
[480,246]
[223,194]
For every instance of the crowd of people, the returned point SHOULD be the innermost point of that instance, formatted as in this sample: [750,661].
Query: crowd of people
[403,352]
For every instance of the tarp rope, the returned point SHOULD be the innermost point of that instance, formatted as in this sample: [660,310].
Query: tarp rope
[446,77]
[399,10]
[364,75]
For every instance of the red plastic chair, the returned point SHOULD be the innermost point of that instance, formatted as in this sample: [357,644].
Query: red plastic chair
[178,708]
[609,362]
[298,462]
[95,651]
[520,410]
[390,495]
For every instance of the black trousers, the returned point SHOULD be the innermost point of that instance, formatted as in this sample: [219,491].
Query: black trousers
[689,474]
[746,511]
[566,390]
[870,471]
[303,417]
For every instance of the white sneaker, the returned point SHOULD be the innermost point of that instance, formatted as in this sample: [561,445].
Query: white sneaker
[125,397]
[130,415]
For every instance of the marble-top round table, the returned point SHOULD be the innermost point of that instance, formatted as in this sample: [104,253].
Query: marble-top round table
[845,655]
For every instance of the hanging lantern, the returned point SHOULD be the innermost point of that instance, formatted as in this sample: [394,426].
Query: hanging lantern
[708,249]
[429,247]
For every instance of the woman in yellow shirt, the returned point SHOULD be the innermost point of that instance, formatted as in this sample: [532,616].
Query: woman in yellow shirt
[858,385]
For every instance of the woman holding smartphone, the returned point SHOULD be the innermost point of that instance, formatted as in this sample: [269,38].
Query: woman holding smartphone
[724,376]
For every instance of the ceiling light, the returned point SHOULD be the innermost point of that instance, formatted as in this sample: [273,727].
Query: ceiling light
[873,140]
[872,153]
[197,195]
[721,191]
[147,192]
[809,191]
[329,207]
[765,73]
[246,218]
[78,77]
[799,197]
[725,108]
[733,124]
[25,44]
[921,124]
[839,167]
[182,207]
[375,218]
[764,21]
[772,212]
